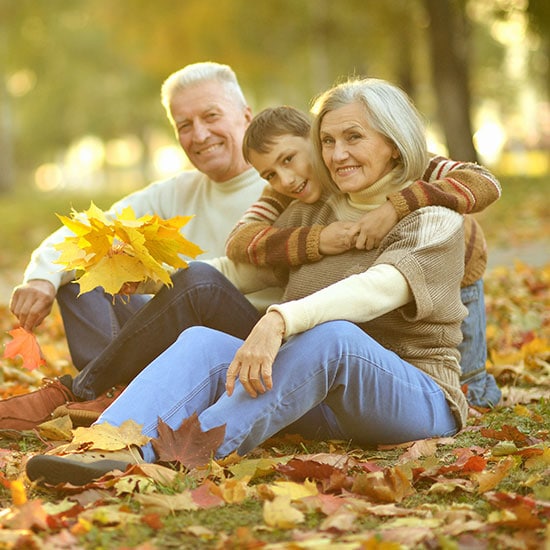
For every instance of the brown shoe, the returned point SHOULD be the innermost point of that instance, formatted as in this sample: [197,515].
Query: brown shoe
[85,413]
[25,412]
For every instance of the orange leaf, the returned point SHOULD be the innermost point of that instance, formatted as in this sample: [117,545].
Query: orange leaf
[24,344]
[389,485]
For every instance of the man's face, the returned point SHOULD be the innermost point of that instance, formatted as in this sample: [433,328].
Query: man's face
[210,126]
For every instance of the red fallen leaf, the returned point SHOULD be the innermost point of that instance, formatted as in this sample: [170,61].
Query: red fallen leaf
[507,433]
[326,504]
[24,344]
[299,470]
[4,481]
[204,497]
[524,510]
[473,464]
[188,445]
[513,500]
[153,521]
[65,518]
[369,466]
[243,537]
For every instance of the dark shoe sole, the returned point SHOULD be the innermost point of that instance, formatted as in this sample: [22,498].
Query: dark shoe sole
[56,469]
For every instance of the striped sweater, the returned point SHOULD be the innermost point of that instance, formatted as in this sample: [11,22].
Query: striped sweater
[466,188]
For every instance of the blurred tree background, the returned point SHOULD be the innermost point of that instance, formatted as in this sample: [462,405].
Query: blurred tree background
[80,79]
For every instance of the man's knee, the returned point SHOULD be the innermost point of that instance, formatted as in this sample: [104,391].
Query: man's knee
[194,273]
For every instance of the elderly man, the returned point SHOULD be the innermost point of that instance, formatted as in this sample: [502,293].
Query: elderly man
[207,108]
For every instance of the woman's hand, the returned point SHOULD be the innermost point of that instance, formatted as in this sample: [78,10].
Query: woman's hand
[371,228]
[336,238]
[253,361]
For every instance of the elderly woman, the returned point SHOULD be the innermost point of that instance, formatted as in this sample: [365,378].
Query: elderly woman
[365,342]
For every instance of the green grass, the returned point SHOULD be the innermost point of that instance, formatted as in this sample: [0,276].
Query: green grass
[520,215]
[220,522]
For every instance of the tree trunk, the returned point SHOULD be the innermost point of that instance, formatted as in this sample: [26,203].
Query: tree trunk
[449,47]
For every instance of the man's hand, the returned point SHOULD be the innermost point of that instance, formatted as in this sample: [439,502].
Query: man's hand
[254,359]
[129,288]
[371,228]
[32,302]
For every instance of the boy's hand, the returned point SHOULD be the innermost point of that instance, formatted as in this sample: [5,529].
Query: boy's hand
[370,230]
[336,238]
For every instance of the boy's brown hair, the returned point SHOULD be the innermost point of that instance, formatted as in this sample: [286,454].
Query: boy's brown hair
[272,123]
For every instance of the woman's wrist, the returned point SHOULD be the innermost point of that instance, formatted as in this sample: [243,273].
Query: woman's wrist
[278,321]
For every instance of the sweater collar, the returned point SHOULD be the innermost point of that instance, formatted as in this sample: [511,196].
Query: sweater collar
[376,194]
[248,177]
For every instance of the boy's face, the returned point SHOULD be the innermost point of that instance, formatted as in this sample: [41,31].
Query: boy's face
[288,169]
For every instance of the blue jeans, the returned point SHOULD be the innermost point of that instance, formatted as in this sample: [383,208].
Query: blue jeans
[482,388]
[111,342]
[370,394]
[93,320]
[125,342]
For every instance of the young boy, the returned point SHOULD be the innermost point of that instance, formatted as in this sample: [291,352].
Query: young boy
[277,143]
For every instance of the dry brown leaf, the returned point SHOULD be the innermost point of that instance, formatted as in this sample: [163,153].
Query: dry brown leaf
[188,445]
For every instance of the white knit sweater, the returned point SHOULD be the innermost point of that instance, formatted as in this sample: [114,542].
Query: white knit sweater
[216,208]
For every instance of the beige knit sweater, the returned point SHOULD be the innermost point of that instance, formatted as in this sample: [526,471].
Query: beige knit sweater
[427,247]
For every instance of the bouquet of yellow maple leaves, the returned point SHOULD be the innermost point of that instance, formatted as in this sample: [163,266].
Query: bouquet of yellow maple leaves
[111,253]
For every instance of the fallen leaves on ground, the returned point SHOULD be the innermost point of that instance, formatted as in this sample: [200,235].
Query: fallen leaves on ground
[487,487]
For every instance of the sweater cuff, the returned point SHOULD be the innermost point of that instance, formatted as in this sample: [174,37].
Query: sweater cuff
[312,243]
[400,204]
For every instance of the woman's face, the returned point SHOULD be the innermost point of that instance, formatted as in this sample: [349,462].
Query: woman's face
[356,155]
[287,168]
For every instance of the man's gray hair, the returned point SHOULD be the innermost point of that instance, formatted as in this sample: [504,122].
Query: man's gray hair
[197,73]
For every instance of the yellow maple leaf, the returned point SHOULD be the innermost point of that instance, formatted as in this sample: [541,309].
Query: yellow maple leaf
[293,490]
[111,272]
[106,437]
[279,513]
[110,253]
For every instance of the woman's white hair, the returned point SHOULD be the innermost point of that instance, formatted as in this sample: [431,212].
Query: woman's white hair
[389,111]
[197,73]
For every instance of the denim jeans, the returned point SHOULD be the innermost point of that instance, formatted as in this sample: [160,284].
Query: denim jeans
[200,296]
[112,341]
[93,320]
[482,388]
[374,396]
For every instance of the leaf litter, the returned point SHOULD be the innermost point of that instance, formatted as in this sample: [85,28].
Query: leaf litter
[486,487]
